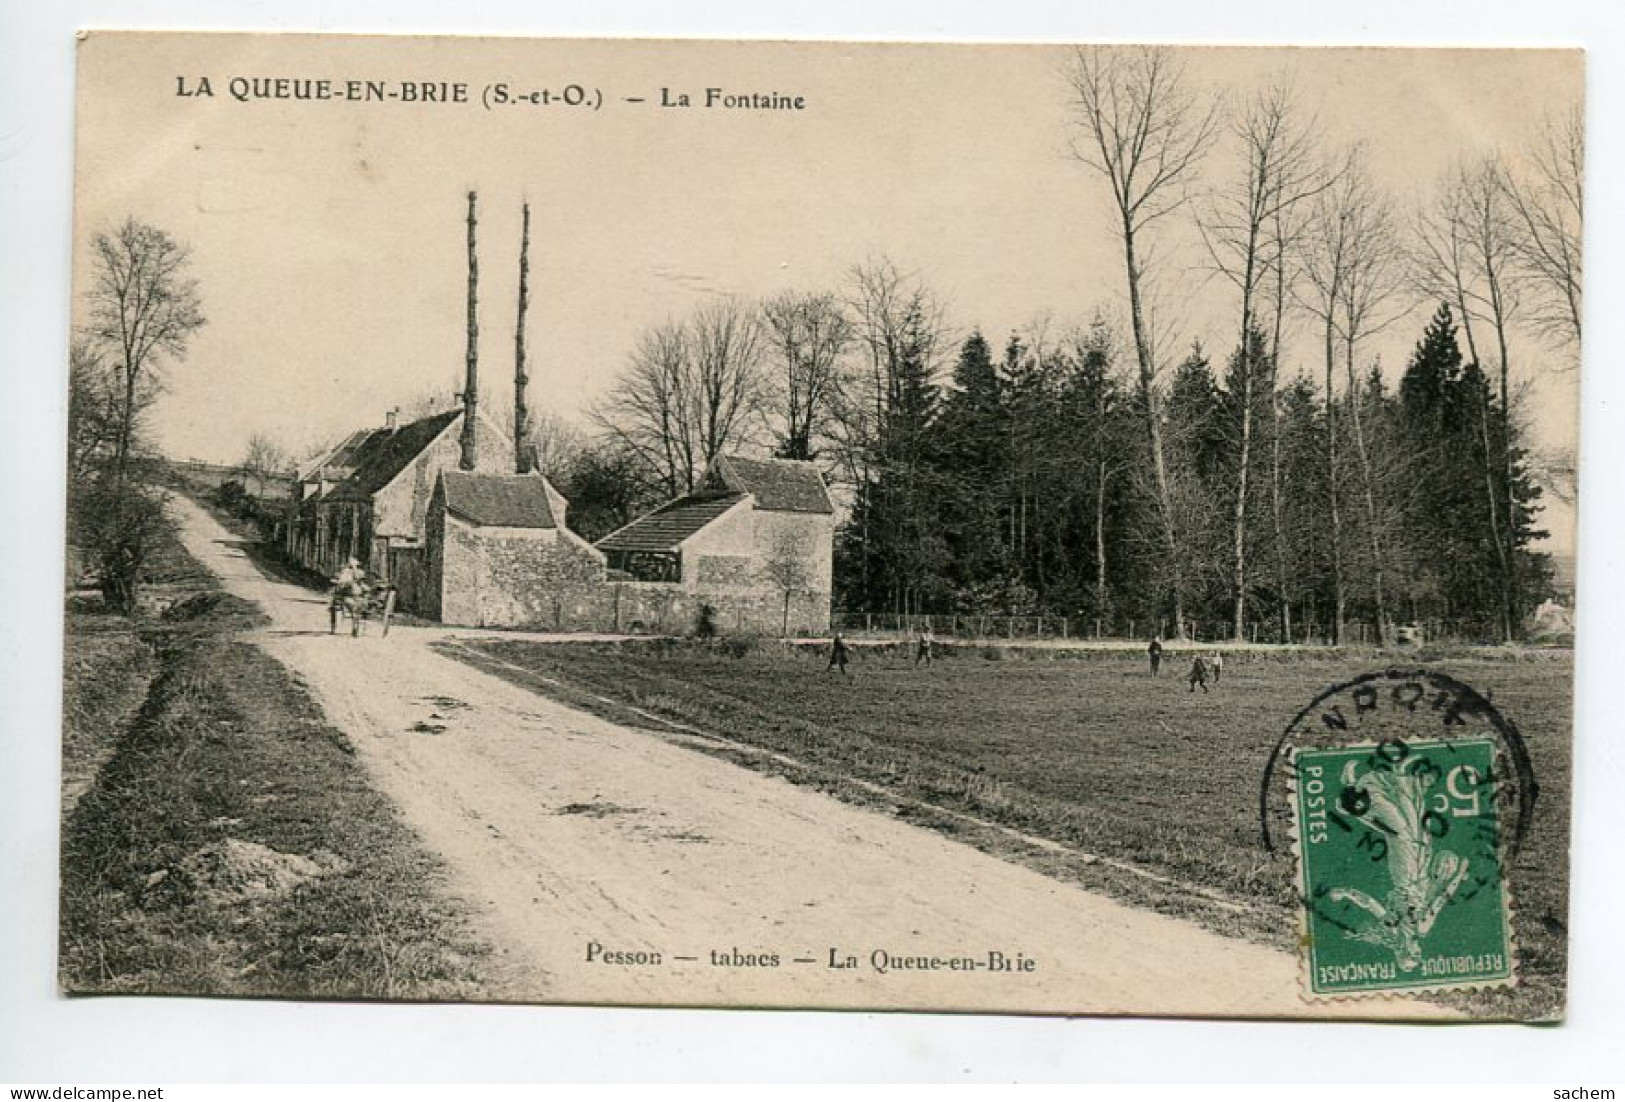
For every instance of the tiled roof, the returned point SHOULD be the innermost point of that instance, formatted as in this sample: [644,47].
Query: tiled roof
[499,500]
[671,524]
[780,485]
[386,454]
[339,460]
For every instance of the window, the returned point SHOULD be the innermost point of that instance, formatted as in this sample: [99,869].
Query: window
[648,566]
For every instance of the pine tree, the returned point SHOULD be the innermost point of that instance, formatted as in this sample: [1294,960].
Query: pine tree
[1458,530]
[971,439]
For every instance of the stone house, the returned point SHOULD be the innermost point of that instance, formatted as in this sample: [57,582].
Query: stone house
[379,508]
[314,479]
[753,544]
[497,553]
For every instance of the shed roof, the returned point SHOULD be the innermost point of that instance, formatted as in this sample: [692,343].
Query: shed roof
[779,485]
[498,500]
[671,524]
[386,454]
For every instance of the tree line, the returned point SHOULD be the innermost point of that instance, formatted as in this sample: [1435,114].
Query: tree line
[1097,471]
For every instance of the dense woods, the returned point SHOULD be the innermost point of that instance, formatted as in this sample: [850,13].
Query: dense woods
[1094,471]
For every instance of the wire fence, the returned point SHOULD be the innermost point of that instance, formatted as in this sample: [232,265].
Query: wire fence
[1081,628]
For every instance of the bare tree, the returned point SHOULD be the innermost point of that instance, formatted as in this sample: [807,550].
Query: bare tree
[144,309]
[555,442]
[1372,279]
[1484,205]
[689,394]
[647,410]
[1327,251]
[1141,128]
[1286,232]
[264,460]
[1281,172]
[1441,266]
[808,334]
[725,396]
[785,568]
[891,312]
[1550,204]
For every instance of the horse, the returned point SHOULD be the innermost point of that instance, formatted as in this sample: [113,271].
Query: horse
[360,602]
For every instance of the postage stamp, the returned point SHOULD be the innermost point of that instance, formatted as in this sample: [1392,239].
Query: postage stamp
[1407,793]
[1399,858]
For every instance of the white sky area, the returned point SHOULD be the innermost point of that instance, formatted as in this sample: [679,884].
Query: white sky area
[329,239]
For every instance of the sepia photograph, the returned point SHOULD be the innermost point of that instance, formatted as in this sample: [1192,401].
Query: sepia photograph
[1051,529]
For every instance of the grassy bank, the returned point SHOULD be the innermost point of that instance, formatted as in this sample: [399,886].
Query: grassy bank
[1079,765]
[230,843]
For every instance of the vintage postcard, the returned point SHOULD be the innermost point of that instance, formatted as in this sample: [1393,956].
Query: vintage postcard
[1053,529]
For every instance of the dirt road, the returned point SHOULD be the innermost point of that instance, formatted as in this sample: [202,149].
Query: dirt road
[586,847]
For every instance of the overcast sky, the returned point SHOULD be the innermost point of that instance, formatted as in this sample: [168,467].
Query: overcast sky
[328,238]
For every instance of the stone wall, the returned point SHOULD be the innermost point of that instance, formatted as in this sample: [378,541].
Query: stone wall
[662,608]
[742,565]
[518,577]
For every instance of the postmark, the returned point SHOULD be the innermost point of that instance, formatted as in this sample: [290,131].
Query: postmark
[1404,794]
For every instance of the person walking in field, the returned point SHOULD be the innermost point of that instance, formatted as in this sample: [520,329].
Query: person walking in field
[1155,651]
[837,655]
[923,648]
[1198,674]
[1215,665]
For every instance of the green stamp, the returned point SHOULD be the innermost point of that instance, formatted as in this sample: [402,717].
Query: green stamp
[1400,853]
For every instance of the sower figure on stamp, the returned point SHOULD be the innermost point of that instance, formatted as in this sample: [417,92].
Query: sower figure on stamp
[1198,674]
[1155,651]
[837,655]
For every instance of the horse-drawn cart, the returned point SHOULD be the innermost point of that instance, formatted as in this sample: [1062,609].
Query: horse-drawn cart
[360,603]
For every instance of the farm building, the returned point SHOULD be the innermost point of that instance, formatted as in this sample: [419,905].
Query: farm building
[452,512]
[369,498]
[497,553]
[754,541]
[750,549]
[312,481]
